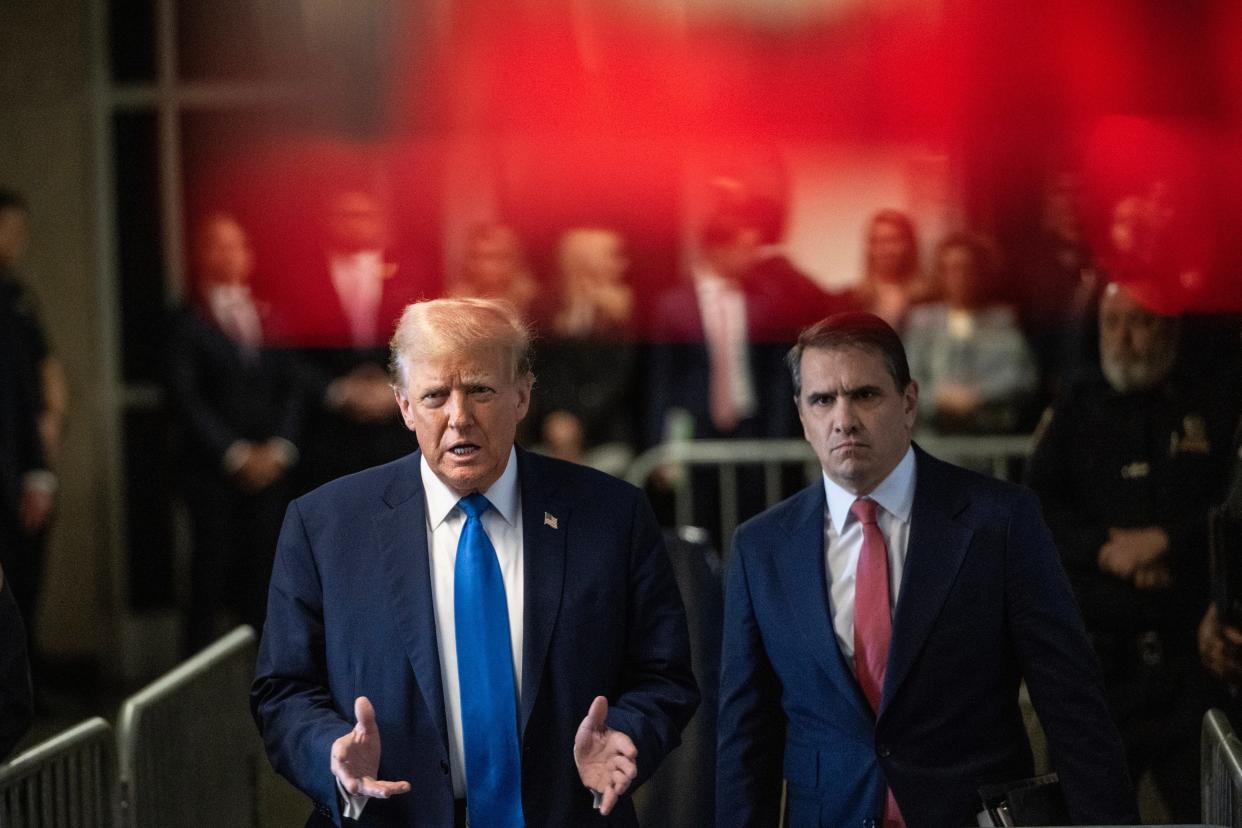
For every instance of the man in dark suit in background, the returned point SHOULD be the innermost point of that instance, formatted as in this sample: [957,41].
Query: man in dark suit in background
[33,401]
[239,404]
[714,353]
[714,371]
[485,598]
[877,625]
[337,303]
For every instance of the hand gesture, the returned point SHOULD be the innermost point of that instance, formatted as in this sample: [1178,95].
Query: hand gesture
[1128,550]
[606,758]
[356,756]
[263,466]
[1220,647]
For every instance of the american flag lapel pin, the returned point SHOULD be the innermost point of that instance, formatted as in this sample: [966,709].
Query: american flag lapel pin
[549,520]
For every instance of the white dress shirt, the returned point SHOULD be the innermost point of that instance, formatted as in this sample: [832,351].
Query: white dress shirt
[359,282]
[722,307]
[503,524]
[843,537]
[235,312]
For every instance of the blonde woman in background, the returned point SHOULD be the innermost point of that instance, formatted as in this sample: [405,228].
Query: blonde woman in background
[586,364]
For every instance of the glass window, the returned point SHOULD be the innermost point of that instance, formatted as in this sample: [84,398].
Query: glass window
[132,40]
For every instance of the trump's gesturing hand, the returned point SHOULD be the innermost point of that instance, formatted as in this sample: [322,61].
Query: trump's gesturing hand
[356,756]
[606,758]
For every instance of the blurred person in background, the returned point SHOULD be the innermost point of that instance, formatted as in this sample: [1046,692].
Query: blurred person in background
[792,297]
[34,392]
[239,405]
[1220,631]
[347,299]
[893,280]
[584,411]
[968,351]
[712,373]
[1126,465]
[1055,285]
[709,359]
[495,267]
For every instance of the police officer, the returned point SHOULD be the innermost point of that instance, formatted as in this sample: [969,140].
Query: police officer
[1127,464]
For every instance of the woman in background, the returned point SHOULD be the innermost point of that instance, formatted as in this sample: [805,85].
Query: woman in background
[973,365]
[585,366]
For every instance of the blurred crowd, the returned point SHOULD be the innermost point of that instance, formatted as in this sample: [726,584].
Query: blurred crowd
[278,385]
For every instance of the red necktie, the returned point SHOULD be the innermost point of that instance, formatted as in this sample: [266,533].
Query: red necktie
[873,622]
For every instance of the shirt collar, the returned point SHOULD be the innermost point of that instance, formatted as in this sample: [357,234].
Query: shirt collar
[895,494]
[359,258]
[503,494]
[707,280]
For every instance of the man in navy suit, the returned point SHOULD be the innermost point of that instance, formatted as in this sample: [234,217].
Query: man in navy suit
[239,405]
[877,625]
[368,596]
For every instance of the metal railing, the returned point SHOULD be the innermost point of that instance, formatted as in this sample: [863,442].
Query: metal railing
[67,781]
[189,754]
[1220,771]
[776,458]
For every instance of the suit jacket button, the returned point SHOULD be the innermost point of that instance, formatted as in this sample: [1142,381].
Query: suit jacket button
[884,751]
[444,768]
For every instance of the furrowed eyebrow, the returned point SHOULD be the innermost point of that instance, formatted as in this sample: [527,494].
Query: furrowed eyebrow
[820,396]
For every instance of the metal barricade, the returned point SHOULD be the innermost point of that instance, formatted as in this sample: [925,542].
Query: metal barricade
[994,453]
[1220,771]
[67,781]
[188,751]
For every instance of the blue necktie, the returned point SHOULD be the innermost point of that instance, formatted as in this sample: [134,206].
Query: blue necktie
[485,675]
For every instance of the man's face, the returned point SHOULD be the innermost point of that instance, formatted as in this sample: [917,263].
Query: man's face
[225,257]
[357,222]
[888,249]
[492,261]
[854,416]
[959,276]
[14,235]
[1137,347]
[465,411]
[733,260]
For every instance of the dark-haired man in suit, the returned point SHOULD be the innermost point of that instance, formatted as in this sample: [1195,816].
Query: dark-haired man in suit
[239,405]
[877,624]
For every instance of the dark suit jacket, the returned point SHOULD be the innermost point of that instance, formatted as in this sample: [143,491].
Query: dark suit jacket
[350,614]
[983,604]
[312,323]
[220,396]
[679,371]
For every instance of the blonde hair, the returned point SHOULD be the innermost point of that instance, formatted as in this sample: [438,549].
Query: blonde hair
[439,328]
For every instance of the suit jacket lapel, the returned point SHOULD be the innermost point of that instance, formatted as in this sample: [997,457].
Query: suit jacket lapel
[401,531]
[801,568]
[935,551]
[544,553]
